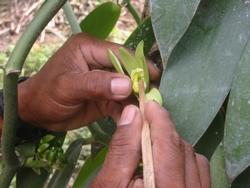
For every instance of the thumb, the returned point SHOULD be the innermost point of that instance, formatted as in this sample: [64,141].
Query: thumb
[99,84]
[124,150]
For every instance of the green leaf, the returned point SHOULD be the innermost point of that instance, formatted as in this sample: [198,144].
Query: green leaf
[243,180]
[43,147]
[139,53]
[132,11]
[26,177]
[107,125]
[101,21]
[115,62]
[62,177]
[209,141]
[237,129]
[99,134]
[217,165]
[47,138]
[144,32]
[155,95]
[25,150]
[170,20]
[127,60]
[140,59]
[201,68]
[90,169]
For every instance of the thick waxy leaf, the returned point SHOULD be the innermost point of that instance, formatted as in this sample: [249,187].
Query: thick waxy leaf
[237,128]
[144,32]
[108,126]
[90,169]
[170,20]
[61,177]
[243,180]
[140,58]
[101,21]
[99,134]
[217,165]
[155,95]
[212,137]
[127,60]
[202,66]
[115,62]
[26,177]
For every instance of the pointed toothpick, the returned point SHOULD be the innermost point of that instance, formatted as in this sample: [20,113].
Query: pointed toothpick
[147,155]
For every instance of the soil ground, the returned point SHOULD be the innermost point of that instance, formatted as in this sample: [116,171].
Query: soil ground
[14,19]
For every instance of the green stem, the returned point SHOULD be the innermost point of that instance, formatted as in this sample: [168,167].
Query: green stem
[23,46]
[6,177]
[71,18]
[133,12]
[13,68]
[10,121]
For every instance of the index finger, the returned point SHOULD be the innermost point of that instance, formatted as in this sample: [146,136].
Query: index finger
[95,53]
[168,148]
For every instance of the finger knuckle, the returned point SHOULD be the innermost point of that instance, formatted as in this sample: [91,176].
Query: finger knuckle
[79,37]
[189,148]
[79,40]
[93,84]
[153,108]
[120,143]
[171,142]
[61,92]
[176,140]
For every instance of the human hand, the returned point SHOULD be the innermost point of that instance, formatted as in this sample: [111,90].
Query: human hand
[176,164]
[75,87]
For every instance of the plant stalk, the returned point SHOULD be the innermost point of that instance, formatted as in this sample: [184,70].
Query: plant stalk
[13,68]
[133,12]
[68,11]
[146,11]
[23,46]
[6,177]
[147,154]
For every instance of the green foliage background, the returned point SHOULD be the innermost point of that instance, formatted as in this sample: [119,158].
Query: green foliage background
[36,59]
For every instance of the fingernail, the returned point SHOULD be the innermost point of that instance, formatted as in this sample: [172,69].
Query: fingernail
[120,86]
[128,115]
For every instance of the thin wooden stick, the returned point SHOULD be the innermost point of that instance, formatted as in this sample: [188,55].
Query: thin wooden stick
[147,155]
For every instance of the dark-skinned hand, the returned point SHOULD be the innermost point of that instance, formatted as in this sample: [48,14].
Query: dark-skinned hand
[176,164]
[76,86]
